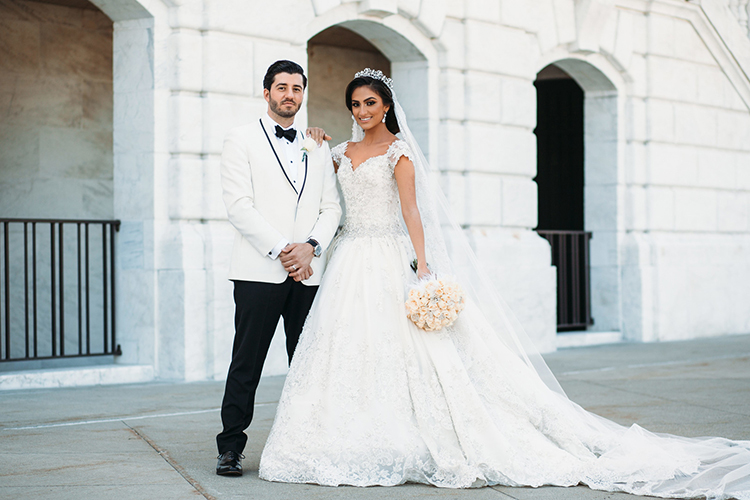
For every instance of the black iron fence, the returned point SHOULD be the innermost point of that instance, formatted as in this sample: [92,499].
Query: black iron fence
[570,254]
[57,288]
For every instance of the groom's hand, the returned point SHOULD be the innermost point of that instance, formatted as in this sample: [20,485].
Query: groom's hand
[296,258]
[318,135]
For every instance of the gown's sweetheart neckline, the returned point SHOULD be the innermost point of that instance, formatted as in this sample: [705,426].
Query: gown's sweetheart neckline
[351,163]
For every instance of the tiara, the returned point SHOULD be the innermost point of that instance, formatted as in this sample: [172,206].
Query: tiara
[377,75]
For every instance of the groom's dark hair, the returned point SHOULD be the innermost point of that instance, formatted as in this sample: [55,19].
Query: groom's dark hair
[283,66]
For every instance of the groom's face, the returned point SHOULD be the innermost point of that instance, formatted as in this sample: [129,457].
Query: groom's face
[285,96]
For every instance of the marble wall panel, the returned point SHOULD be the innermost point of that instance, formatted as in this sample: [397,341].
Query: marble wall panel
[483,10]
[637,70]
[637,124]
[695,125]
[452,38]
[661,208]
[689,45]
[451,146]
[240,16]
[132,60]
[47,100]
[636,208]
[734,130]
[185,188]
[732,211]
[453,185]
[221,113]
[603,207]
[57,198]
[521,14]
[484,206]
[69,51]
[186,117]
[19,46]
[19,153]
[56,131]
[672,78]
[452,101]
[213,203]
[743,171]
[76,154]
[483,96]
[673,165]
[510,53]
[518,102]
[186,50]
[509,150]
[695,209]
[660,125]
[519,203]
[636,162]
[605,298]
[717,168]
[228,64]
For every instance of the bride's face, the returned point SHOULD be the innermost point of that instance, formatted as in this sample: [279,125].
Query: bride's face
[368,108]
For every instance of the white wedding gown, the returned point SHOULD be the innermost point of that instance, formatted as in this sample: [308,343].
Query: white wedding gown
[370,399]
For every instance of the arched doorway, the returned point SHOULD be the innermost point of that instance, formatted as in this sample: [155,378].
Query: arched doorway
[334,56]
[336,53]
[577,178]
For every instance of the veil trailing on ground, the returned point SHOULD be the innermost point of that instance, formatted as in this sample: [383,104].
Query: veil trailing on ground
[629,459]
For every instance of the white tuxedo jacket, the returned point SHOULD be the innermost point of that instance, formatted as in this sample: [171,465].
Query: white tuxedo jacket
[264,207]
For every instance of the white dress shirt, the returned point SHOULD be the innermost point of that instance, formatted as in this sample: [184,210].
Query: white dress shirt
[290,156]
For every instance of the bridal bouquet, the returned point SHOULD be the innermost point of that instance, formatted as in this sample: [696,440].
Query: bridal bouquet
[434,304]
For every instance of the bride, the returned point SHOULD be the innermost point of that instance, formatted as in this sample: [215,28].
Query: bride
[370,399]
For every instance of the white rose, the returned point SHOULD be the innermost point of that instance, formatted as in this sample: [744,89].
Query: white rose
[309,144]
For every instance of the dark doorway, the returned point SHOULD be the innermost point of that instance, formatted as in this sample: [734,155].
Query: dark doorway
[559,140]
[560,168]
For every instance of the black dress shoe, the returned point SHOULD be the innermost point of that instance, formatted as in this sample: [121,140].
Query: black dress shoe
[230,464]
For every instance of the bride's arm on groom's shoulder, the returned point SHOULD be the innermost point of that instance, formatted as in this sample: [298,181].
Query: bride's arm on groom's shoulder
[404,173]
[329,214]
[318,135]
[237,188]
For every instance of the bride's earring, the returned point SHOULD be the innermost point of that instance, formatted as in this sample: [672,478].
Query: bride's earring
[384,115]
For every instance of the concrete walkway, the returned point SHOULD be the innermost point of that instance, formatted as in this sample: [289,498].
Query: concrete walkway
[156,441]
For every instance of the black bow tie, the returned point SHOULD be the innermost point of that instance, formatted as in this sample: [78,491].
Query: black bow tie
[288,134]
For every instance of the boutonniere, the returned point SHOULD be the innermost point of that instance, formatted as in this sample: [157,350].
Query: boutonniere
[308,145]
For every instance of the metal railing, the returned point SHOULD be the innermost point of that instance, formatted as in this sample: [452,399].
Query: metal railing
[570,254]
[57,289]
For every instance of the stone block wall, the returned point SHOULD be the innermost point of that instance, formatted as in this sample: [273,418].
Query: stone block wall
[667,132]
[687,157]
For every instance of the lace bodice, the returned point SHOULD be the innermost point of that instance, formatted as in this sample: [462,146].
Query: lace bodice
[370,191]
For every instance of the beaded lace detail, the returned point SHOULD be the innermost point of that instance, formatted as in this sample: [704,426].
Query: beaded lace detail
[370,192]
[372,400]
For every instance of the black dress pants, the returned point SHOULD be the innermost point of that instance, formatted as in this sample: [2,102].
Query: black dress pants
[258,307]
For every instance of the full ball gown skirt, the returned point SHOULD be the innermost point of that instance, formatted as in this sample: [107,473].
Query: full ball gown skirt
[370,399]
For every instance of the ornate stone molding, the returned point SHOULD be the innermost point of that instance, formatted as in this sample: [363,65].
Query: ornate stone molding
[741,10]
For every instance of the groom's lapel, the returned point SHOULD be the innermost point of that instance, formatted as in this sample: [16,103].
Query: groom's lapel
[278,159]
[304,179]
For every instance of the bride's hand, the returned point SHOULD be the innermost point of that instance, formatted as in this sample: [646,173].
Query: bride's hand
[317,134]
[422,271]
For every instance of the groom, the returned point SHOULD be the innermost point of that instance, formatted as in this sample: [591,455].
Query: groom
[284,205]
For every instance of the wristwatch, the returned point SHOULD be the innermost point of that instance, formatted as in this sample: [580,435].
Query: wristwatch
[317,249]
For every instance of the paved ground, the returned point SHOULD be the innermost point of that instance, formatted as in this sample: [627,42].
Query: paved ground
[156,441]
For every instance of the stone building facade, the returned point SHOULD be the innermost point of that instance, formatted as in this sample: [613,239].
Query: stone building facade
[665,131]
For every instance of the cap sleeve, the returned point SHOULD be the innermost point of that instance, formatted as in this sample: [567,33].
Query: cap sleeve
[338,151]
[398,149]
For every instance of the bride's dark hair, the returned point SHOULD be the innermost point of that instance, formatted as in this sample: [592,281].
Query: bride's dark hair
[383,91]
